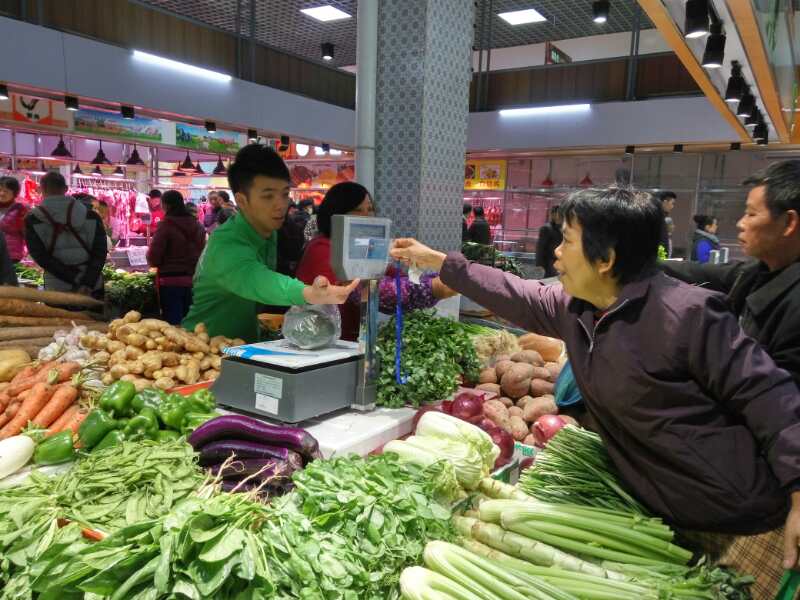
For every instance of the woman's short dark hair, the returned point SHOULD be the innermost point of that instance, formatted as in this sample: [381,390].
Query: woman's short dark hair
[623,220]
[340,200]
[172,201]
[479,211]
[11,184]
[252,161]
[783,186]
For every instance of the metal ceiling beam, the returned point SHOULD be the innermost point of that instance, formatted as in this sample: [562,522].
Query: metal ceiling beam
[661,18]
[746,23]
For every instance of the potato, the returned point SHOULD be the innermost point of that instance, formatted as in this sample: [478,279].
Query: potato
[237,342]
[519,430]
[501,366]
[101,357]
[549,348]
[210,375]
[117,358]
[517,380]
[203,337]
[167,372]
[152,361]
[488,376]
[540,387]
[118,371]
[154,334]
[554,369]
[489,387]
[495,411]
[132,352]
[12,361]
[149,374]
[132,317]
[128,377]
[150,345]
[200,328]
[141,384]
[546,405]
[530,440]
[523,401]
[198,356]
[114,346]
[514,411]
[165,383]
[137,339]
[170,359]
[107,379]
[507,402]
[528,356]
[216,362]
[153,324]
[205,364]
[136,367]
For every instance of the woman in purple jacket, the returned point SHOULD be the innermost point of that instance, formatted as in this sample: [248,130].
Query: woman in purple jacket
[700,423]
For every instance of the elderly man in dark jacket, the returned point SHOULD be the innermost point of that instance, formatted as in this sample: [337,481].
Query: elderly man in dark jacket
[702,426]
[764,292]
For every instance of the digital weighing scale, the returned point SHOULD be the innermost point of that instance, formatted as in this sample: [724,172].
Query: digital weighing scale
[282,382]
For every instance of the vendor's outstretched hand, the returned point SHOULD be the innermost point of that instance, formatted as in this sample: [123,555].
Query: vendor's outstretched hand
[410,251]
[792,534]
[322,292]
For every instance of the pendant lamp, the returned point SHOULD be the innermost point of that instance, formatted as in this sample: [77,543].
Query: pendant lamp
[118,172]
[586,181]
[134,160]
[187,166]
[97,172]
[77,170]
[220,168]
[61,150]
[100,158]
[198,170]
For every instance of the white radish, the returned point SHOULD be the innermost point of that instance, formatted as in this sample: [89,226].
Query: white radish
[15,452]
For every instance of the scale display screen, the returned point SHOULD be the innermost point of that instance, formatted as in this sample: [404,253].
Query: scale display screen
[368,242]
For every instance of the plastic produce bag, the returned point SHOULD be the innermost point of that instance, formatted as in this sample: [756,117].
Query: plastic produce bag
[313,326]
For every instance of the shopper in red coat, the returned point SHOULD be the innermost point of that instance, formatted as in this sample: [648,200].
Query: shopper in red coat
[174,251]
[12,218]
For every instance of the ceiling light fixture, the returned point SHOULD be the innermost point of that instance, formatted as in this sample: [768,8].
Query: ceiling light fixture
[96,172]
[714,54]
[127,112]
[600,10]
[764,140]
[61,150]
[319,151]
[754,119]
[198,169]
[252,136]
[71,103]
[522,17]
[100,158]
[285,140]
[325,13]
[678,148]
[696,23]
[118,172]
[134,160]
[545,110]
[760,132]
[327,51]
[586,181]
[301,149]
[3,91]
[175,65]
[77,170]
[220,168]
[326,147]
[747,104]
[736,84]
[211,127]
[187,166]
[736,146]
[630,150]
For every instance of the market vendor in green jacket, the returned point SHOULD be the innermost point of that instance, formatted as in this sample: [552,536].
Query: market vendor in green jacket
[236,272]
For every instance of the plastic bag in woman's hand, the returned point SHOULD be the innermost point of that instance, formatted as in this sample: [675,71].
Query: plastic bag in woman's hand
[313,326]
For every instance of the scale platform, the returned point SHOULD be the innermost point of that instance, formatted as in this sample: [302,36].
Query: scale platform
[282,382]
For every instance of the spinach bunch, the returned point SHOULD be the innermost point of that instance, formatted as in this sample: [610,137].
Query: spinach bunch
[437,355]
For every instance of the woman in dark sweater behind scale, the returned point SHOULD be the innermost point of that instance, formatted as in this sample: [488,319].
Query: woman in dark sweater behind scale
[174,251]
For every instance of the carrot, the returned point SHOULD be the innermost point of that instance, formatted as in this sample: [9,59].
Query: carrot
[9,413]
[64,372]
[64,396]
[30,407]
[5,399]
[70,420]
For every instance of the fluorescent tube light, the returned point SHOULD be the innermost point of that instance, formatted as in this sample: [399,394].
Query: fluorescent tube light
[545,110]
[179,66]
[325,13]
[521,17]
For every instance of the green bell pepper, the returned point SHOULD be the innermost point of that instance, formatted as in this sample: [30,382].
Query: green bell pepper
[143,426]
[94,428]
[149,397]
[201,401]
[116,399]
[111,439]
[55,449]
[165,435]
[173,411]
[193,420]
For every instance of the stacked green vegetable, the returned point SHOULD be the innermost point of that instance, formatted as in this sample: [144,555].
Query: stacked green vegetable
[437,355]
[130,291]
[575,468]
[489,255]
[32,274]
[125,414]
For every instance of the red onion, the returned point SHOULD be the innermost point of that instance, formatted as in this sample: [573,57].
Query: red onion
[466,406]
[422,411]
[545,428]
[486,424]
[526,463]
[447,407]
[500,462]
[504,441]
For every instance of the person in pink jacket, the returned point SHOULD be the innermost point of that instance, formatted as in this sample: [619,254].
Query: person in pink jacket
[12,218]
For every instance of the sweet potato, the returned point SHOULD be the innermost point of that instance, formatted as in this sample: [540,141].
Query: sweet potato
[549,348]
[519,430]
[514,411]
[545,405]
[501,366]
[523,401]
[507,402]
[516,381]
[555,370]
[540,387]
[489,387]
[488,376]
[495,411]
[528,356]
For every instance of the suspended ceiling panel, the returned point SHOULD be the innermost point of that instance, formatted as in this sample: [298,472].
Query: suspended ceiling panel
[281,25]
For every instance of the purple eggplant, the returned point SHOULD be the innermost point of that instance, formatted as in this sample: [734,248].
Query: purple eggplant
[240,427]
[265,468]
[217,452]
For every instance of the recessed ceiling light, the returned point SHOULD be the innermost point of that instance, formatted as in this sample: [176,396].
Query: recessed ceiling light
[325,13]
[521,17]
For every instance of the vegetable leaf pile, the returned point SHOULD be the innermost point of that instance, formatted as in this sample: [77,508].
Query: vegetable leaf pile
[130,291]
[437,353]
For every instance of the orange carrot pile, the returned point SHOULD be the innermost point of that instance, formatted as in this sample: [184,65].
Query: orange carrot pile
[44,396]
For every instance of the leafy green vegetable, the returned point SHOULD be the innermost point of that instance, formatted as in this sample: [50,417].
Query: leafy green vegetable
[33,274]
[130,291]
[489,255]
[437,354]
